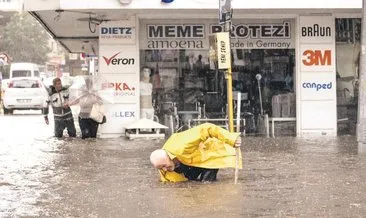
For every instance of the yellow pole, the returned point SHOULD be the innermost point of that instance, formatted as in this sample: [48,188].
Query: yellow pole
[229,91]
[230,111]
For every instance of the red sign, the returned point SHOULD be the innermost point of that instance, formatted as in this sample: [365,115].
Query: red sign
[317,58]
[118,86]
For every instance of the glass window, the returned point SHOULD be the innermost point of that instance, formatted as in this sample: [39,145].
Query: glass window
[36,73]
[22,73]
[183,77]
[348,47]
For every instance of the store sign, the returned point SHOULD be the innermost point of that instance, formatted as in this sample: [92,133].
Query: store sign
[317,86]
[223,50]
[159,34]
[118,59]
[118,32]
[176,31]
[113,60]
[317,91]
[317,58]
[259,36]
[10,5]
[316,30]
[175,36]
[257,31]
[118,116]
[123,88]
[124,114]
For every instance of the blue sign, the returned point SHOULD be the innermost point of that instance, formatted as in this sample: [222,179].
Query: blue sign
[317,86]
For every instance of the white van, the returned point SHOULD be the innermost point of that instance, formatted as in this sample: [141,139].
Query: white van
[23,70]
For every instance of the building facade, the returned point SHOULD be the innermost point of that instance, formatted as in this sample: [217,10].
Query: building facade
[306,55]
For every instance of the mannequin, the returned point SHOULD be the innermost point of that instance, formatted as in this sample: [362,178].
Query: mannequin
[147,110]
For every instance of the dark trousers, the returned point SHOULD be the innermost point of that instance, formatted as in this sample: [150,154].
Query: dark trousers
[197,173]
[61,124]
[88,127]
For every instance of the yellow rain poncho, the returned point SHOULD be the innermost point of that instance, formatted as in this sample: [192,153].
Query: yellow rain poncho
[206,146]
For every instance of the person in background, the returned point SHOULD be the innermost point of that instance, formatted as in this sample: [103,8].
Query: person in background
[58,99]
[88,126]
[196,154]
[146,88]
[198,66]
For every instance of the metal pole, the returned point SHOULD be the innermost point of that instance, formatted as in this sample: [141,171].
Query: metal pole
[229,86]
[361,115]
[260,96]
[238,107]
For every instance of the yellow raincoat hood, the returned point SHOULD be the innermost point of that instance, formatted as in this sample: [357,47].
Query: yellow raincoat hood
[206,146]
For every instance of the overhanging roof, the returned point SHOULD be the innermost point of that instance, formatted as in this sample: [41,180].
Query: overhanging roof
[66,20]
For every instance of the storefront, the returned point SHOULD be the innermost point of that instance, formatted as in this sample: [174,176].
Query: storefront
[177,51]
[300,64]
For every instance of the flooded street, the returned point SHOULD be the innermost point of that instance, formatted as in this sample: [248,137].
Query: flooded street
[284,177]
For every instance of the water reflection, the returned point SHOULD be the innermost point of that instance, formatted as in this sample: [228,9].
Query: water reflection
[283,177]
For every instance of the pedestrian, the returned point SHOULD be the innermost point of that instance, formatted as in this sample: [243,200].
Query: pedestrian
[90,109]
[58,99]
[196,154]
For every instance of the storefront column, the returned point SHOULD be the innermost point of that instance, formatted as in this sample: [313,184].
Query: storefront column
[119,68]
[316,86]
[361,115]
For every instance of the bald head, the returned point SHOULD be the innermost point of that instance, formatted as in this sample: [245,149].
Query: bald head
[160,160]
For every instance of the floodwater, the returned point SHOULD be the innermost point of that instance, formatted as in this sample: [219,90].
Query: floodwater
[41,176]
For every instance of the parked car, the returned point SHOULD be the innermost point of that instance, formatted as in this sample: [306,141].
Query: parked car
[24,70]
[24,93]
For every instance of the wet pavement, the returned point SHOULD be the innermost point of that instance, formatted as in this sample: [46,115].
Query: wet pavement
[41,176]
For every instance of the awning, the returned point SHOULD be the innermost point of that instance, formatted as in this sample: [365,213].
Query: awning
[73,23]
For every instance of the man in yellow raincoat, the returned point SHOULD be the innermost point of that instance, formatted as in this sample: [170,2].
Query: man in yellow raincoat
[197,154]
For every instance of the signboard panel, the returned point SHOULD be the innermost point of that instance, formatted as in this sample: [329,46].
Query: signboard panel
[118,116]
[118,32]
[318,86]
[317,58]
[118,59]
[123,88]
[316,29]
[317,79]
[223,50]
[318,115]
[10,5]
[190,34]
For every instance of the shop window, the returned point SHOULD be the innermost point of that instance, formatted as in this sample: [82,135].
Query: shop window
[186,79]
[348,30]
[348,34]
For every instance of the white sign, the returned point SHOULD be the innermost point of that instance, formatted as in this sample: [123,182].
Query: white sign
[318,116]
[118,116]
[223,50]
[316,29]
[317,80]
[317,58]
[118,32]
[118,59]
[317,86]
[10,5]
[123,88]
